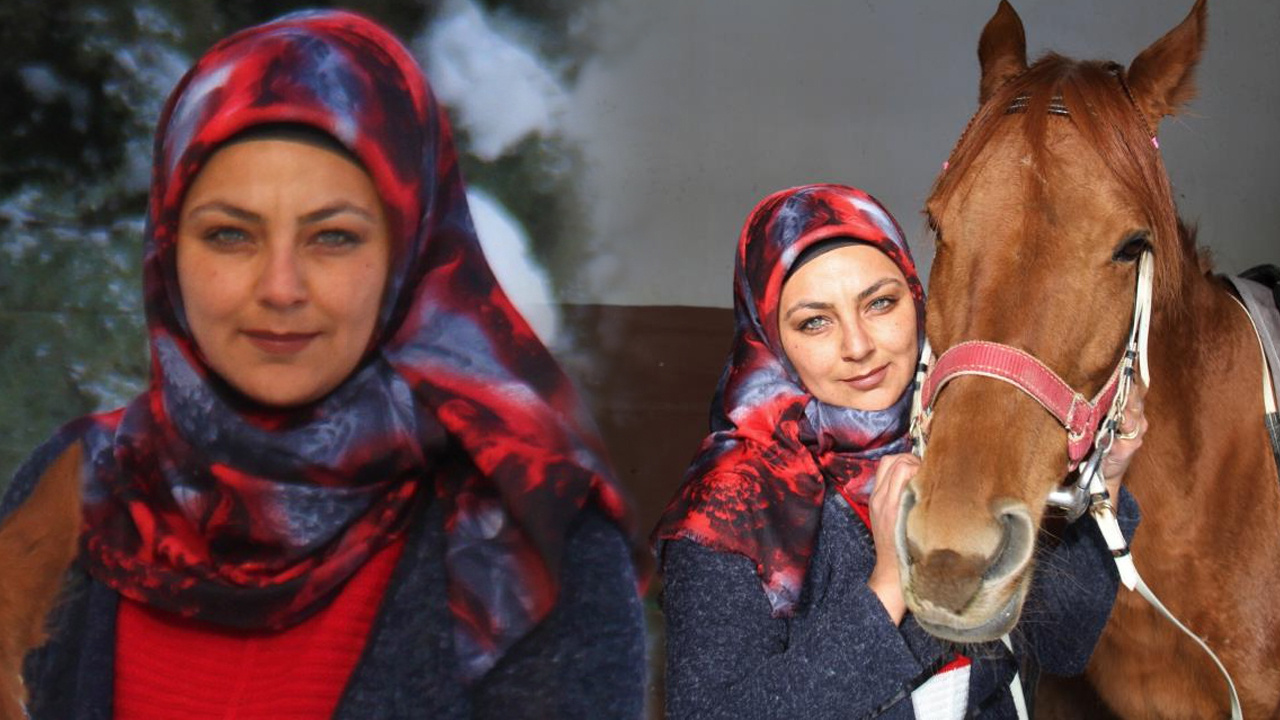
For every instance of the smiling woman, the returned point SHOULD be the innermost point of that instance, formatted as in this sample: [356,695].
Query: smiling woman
[847,326]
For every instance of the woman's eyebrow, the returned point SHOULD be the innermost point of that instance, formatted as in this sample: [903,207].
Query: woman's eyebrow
[315,216]
[337,208]
[876,286]
[872,289]
[234,211]
[807,305]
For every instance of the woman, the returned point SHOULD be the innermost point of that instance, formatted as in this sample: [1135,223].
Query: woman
[781,590]
[357,485]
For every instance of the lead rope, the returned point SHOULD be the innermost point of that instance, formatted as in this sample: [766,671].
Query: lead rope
[26,714]
[1091,474]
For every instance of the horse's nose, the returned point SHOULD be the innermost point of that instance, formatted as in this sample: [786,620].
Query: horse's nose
[950,577]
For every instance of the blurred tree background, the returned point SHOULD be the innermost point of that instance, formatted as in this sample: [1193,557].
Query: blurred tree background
[83,84]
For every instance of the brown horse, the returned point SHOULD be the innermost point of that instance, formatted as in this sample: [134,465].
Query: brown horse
[1050,196]
[37,543]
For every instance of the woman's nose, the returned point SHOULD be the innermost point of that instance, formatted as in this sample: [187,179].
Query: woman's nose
[282,284]
[856,343]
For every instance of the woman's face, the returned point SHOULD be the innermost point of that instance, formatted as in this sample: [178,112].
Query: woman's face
[282,258]
[848,325]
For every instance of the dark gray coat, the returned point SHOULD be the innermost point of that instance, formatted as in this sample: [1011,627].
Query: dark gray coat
[840,655]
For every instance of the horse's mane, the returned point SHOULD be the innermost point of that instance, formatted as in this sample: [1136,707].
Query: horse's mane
[1097,102]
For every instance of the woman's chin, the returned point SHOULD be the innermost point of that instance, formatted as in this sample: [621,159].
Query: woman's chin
[282,390]
[874,400]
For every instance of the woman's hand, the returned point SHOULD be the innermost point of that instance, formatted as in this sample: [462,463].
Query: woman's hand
[892,475]
[1133,426]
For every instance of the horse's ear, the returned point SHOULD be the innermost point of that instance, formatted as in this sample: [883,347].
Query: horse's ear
[1161,78]
[1002,50]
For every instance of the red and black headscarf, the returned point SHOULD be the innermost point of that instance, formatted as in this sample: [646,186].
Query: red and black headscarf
[757,485]
[199,502]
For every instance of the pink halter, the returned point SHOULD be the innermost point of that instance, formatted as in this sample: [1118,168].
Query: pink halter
[1083,419]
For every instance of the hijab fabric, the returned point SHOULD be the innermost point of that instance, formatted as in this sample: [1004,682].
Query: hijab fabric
[202,503]
[758,482]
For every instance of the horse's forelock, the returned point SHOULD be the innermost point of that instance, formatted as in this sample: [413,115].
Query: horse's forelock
[1098,106]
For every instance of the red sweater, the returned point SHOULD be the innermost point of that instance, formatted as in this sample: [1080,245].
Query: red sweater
[172,668]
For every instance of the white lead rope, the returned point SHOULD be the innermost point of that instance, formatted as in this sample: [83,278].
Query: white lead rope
[1015,685]
[1129,577]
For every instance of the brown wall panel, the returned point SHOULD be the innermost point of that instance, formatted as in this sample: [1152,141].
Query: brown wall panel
[648,373]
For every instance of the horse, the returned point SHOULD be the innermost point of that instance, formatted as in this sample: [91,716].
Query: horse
[1049,199]
[38,542]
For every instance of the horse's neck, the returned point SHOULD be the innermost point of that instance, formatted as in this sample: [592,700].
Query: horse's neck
[1205,402]
[1189,343]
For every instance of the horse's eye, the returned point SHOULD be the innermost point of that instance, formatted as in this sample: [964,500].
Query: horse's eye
[937,234]
[1132,247]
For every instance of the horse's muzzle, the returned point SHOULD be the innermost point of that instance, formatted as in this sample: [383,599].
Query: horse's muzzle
[967,593]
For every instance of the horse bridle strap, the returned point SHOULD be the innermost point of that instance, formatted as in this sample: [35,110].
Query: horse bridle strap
[1080,417]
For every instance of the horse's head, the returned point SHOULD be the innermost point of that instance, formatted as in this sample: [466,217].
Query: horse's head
[37,543]
[1049,198]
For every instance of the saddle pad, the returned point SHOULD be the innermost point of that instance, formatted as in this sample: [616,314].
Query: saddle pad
[1260,301]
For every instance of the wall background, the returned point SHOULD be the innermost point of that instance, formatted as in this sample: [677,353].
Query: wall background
[691,111]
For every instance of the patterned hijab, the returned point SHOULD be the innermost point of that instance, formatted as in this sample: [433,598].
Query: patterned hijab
[757,484]
[202,503]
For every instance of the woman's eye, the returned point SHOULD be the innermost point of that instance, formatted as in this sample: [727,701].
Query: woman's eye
[814,324]
[225,237]
[882,303]
[337,238]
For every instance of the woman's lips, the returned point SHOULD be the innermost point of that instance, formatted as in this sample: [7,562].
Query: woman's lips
[276,343]
[869,381]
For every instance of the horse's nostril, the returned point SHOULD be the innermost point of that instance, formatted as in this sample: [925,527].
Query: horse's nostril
[906,549]
[1015,546]
[998,556]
